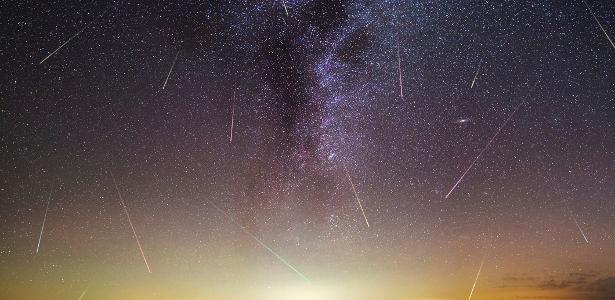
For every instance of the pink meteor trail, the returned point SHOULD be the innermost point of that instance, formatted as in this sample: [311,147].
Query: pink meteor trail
[354,190]
[483,151]
[232,117]
[134,232]
[401,82]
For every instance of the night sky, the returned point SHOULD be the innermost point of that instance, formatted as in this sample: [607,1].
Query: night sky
[307,149]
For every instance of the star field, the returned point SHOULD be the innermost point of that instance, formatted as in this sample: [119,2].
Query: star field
[380,150]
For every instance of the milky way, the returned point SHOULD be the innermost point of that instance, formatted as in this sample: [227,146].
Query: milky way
[328,133]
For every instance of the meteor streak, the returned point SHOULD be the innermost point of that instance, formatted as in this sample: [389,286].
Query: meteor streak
[285,8]
[232,117]
[73,36]
[485,148]
[401,82]
[579,227]
[599,25]
[280,258]
[134,232]
[170,70]
[476,279]
[477,71]
[83,294]
[40,236]
[354,190]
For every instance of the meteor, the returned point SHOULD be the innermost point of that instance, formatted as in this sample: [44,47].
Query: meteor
[170,70]
[83,294]
[280,258]
[476,279]
[599,25]
[485,148]
[285,8]
[73,36]
[476,75]
[401,83]
[579,227]
[232,117]
[40,236]
[134,232]
[354,190]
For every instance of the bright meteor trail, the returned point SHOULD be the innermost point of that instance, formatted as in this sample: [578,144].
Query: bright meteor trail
[40,236]
[280,258]
[354,190]
[485,148]
[599,25]
[476,279]
[74,36]
[134,232]
[170,70]
[477,71]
